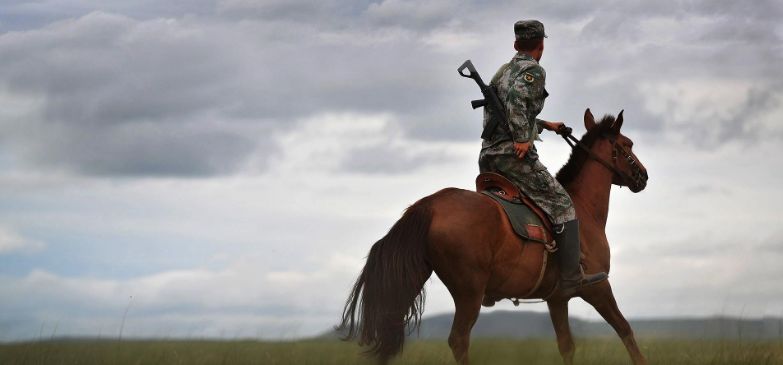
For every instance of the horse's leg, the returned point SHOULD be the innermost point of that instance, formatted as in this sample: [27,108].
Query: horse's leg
[466,232]
[600,296]
[467,289]
[558,312]
[467,308]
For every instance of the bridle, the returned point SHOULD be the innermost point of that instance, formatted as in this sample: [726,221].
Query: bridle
[635,180]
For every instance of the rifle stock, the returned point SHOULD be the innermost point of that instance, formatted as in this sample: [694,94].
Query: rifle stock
[478,103]
[490,98]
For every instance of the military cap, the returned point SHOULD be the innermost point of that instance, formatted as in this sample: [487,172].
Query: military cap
[529,29]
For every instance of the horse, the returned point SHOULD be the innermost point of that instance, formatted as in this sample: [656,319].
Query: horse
[465,238]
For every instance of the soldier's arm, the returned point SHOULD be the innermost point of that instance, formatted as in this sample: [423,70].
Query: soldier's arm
[541,124]
[550,126]
[516,105]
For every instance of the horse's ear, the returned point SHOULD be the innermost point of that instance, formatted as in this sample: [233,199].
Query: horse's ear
[618,123]
[589,120]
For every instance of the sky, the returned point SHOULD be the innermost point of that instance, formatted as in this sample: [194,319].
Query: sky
[221,168]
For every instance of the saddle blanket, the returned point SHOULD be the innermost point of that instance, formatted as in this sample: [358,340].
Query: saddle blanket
[525,222]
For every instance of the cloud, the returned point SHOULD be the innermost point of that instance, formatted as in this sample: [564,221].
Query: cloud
[271,303]
[721,274]
[397,159]
[356,143]
[113,96]
[711,112]
[13,242]
[322,13]
[680,72]
[773,243]
[110,95]
[412,14]
[33,14]
[305,129]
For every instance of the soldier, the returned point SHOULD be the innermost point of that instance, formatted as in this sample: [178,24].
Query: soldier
[511,152]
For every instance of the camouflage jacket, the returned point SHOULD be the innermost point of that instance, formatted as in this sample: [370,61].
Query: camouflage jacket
[520,86]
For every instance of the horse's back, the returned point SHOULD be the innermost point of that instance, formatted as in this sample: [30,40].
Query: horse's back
[472,241]
[461,215]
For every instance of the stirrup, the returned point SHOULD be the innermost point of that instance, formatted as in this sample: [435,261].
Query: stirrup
[570,286]
[590,279]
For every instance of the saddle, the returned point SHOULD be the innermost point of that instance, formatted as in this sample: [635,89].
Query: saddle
[527,219]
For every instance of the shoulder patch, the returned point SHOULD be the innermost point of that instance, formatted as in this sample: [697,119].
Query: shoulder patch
[528,77]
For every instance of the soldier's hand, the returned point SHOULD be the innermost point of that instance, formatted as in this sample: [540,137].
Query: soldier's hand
[554,126]
[521,149]
[558,127]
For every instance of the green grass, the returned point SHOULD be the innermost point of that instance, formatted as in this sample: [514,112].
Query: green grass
[603,352]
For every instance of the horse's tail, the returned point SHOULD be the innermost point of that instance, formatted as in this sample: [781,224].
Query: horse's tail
[389,294]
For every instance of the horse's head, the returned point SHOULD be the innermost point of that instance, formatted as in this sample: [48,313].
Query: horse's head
[617,150]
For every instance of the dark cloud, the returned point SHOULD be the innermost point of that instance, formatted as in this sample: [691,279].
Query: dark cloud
[708,190]
[105,80]
[326,13]
[744,124]
[27,15]
[761,10]
[707,247]
[773,244]
[105,68]
[137,150]
[264,66]
[386,159]
[121,97]
[716,53]
[414,14]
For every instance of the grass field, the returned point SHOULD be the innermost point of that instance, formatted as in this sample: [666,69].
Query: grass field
[603,352]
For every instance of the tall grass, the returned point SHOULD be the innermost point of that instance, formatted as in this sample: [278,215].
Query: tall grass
[324,352]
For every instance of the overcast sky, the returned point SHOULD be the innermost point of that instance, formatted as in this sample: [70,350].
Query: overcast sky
[221,168]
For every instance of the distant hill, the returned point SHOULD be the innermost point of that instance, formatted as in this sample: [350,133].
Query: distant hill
[525,324]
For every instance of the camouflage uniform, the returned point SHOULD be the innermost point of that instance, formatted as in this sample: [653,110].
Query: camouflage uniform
[520,86]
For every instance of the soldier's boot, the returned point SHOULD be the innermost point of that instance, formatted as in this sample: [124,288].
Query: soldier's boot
[569,253]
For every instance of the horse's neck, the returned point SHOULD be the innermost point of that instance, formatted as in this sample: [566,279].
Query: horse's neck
[590,192]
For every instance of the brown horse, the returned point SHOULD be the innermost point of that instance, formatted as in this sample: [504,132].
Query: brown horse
[466,239]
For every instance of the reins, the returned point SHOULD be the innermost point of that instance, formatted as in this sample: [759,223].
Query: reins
[573,142]
[627,179]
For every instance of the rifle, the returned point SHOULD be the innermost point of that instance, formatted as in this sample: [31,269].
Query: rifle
[490,98]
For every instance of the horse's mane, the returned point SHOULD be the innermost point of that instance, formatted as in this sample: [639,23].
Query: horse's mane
[571,169]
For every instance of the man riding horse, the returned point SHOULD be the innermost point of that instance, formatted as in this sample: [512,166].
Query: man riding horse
[511,152]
